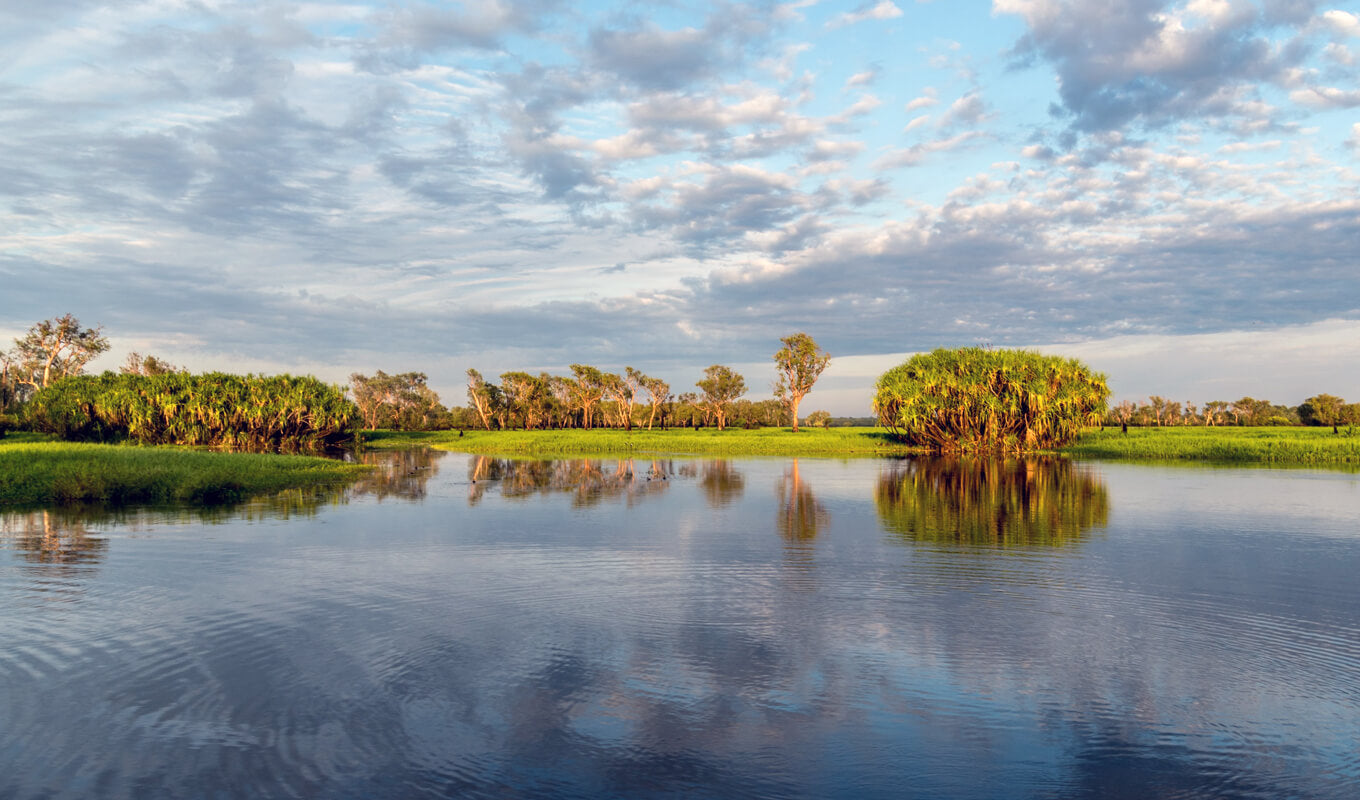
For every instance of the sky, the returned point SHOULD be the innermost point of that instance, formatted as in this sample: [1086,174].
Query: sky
[1169,191]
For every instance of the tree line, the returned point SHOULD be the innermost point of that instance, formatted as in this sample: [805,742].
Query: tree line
[153,401]
[1319,410]
[593,398]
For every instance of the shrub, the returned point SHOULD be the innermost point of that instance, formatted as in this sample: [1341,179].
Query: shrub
[252,412]
[975,400]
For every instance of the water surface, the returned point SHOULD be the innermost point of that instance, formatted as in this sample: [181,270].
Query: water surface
[477,627]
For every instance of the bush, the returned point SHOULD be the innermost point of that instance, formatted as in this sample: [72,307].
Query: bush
[975,400]
[252,412]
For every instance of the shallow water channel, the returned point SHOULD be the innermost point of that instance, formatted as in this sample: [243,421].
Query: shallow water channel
[464,626]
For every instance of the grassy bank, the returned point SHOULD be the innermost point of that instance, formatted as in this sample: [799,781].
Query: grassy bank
[827,442]
[37,472]
[1304,446]
[1279,446]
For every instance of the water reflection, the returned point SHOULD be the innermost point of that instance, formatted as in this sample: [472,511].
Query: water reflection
[397,473]
[52,538]
[1041,501]
[589,481]
[800,516]
[722,483]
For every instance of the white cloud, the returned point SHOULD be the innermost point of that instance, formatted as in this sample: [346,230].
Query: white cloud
[884,10]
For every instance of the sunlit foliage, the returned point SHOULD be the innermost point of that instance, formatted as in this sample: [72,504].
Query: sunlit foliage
[249,412]
[978,400]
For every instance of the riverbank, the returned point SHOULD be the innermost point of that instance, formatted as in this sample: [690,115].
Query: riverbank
[824,442]
[37,471]
[1278,446]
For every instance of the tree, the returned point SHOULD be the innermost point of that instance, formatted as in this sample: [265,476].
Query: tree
[403,402]
[589,390]
[800,362]
[720,387]
[55,348]
[660,393]
[138,364]
[819,419]
[978,400]
[485,397]
[1322,409]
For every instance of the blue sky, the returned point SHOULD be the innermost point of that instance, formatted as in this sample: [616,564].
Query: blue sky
[1170,191]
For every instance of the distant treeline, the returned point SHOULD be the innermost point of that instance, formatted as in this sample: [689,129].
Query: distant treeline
[255,412]
[1323,409]
[589,398]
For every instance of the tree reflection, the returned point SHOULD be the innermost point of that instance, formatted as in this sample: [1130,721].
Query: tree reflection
[1042,501]
[44,537]
[398,473]
[722,483]
[800,516]
[589,481]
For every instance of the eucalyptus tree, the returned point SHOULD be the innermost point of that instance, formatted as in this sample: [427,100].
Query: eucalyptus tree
[659,393]
[138,364]
[486,398]
[52,349]
[721,385]
[403,401]
[588,392]
[800,362]
[528,397]
[975,399]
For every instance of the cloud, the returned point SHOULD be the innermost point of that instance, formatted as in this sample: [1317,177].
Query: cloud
[1143,63]
[884,10]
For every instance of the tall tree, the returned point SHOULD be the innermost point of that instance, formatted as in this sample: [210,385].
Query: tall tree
[484,397]
[589,390]
[55,348]
[660,393]
[721,386]
[800,362]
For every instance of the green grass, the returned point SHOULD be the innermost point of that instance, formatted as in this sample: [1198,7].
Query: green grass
[1278,446]
[36,471]
[829,442]
[1275,446]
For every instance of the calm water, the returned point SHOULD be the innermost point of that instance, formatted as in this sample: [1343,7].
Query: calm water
[472,627]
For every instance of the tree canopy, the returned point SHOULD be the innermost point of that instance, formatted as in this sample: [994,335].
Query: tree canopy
[974,399]
[721,385]
[800,362]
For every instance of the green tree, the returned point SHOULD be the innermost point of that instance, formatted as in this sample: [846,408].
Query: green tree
[975,399]
[403,402]
[486,398]
[1322,409]
[819,419]
[659,392]
[138,364]
[588,392]
[55,348]
[800,362]
[720,386]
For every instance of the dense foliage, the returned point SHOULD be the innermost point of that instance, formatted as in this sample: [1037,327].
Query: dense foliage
[975,399]
[252,412]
